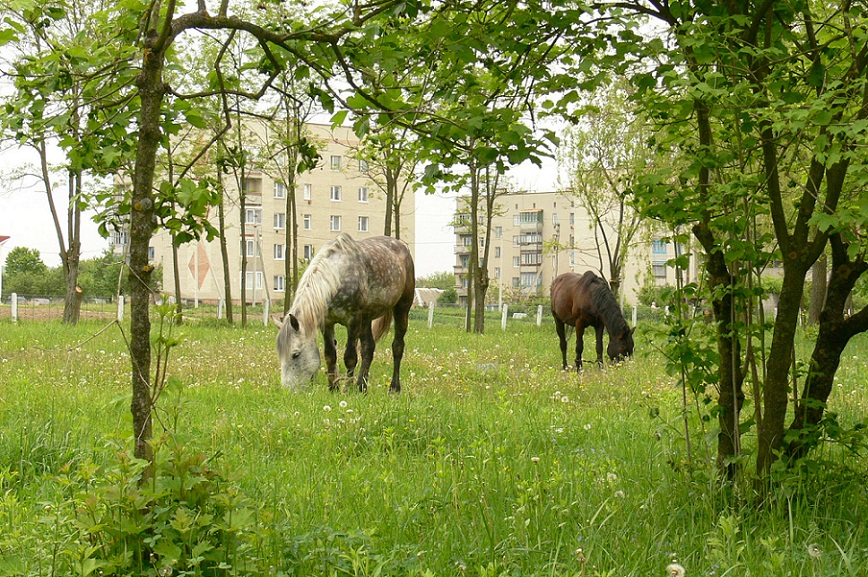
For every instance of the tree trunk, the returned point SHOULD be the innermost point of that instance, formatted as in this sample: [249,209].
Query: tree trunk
[224,252]
[818,290]
[834,334]
[176,276]
[151,91]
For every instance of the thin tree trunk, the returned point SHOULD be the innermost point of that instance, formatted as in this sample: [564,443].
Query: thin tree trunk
[224,251]
[818,290]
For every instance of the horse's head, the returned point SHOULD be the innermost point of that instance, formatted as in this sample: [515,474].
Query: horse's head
[621,345]
[298,353]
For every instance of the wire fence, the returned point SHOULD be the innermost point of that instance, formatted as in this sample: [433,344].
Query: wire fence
[47,308]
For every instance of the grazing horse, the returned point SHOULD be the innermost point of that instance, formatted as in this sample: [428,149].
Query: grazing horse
[584,301]
[359,284]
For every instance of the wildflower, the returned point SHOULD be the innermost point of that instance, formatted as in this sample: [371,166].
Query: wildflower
[611,477]
[815,551]
[619,494]
[165,571]
[534,460]
[587,426]
[580,555]
[326,408]
[565,399]
[674,570]
[343,404]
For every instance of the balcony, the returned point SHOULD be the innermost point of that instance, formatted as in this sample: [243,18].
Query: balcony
[463,249]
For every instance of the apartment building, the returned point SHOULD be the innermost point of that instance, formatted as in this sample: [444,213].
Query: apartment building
[337,196]
[538,235]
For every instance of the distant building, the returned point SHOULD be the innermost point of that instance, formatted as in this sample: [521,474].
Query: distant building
[337,196]
[538,235]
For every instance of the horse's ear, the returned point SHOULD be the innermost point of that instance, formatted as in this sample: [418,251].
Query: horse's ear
[293,322]
[275,318]
[633,330]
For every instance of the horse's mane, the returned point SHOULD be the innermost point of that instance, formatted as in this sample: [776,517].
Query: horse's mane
[607,307]
[320,283]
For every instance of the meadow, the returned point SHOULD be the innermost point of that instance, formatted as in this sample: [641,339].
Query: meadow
[491,462]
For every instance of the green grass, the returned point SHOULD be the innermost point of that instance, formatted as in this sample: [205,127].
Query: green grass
[492,462]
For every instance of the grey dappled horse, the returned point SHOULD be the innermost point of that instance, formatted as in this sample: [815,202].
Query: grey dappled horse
[361,285]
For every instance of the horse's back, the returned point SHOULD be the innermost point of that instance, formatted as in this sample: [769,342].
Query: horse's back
[572,297]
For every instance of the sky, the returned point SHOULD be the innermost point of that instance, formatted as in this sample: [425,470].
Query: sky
[25,217]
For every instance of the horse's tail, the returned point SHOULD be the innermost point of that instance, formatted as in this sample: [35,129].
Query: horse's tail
[380,326]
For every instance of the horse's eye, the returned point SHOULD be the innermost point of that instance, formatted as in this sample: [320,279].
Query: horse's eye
[296,354]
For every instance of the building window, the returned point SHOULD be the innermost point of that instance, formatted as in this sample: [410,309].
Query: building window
[253,216]
[363,224]
[151,253]
[555,218]
[496,272]
[307,192]
[279,220]
[254,280]
[497,252]
[335,162]
[308,252]
[279,283]
[335,193]
[279,190]
[659,246]
[334,223]
[279,253]
[307,222]
[516,220]
[516,262]
[363,166]
[659,270]
[572,218]
[528,279]
[363,194]
[120,238]
[251,186]
[531,258]
[251,247]
[498,232]
[516,282]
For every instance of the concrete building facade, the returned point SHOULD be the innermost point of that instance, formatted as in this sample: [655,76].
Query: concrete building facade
[339,195]
[538,235]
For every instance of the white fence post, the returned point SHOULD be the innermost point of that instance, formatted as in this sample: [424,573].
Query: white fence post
[14,305]
[219,308]
[265,306]
[539,310]
[503,317]
[120,308]
[635,314]
[431,314]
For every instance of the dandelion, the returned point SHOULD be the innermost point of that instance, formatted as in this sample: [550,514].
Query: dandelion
[814,551]
[675,570]
[343,404]
[587,426]
[534,460]
[611,477]
[165,571]
[565,399]
[327,408]
[619,494]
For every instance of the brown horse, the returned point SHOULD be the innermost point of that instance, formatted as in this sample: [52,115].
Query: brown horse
[584,301]
[361,285]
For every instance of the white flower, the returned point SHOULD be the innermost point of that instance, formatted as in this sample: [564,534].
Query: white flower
[534,460]
[326,408]
[675,570]
[815,551]
[343,404]
[611,477]
[587,426]
[565,399]
[619,494]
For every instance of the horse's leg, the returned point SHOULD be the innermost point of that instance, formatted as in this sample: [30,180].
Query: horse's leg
[402,320]
[580,344]
[560,327]
[366,338]
[351,357]
[599,331]
[330,352]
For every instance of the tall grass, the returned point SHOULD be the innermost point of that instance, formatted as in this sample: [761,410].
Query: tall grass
[491,462]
